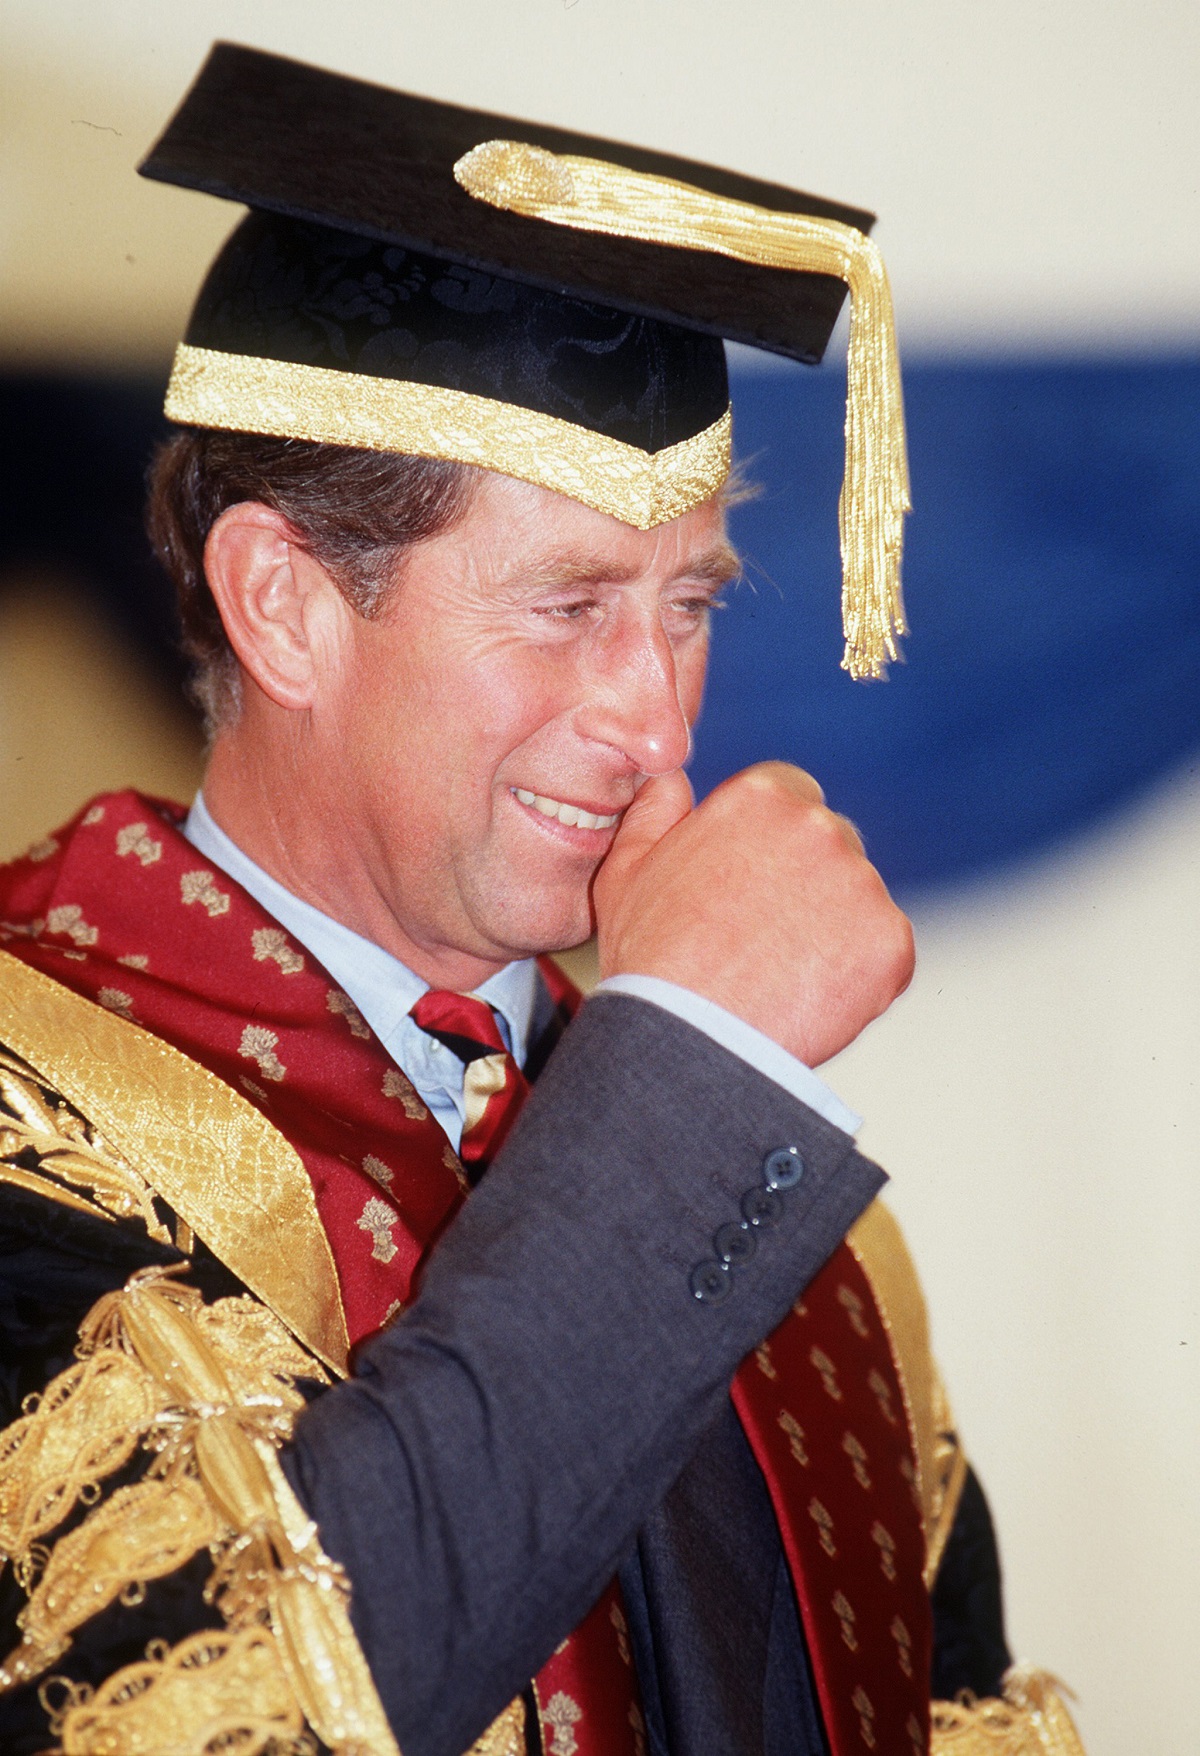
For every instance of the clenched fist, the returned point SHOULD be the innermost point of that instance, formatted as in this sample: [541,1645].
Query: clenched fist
[761,899]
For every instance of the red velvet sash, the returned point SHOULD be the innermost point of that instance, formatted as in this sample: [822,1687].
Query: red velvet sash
[121,908]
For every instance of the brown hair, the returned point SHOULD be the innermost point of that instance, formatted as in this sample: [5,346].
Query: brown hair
[354,511]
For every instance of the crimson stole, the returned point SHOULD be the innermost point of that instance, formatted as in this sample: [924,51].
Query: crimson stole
[121,908]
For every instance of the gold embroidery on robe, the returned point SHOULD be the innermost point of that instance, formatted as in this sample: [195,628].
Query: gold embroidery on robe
[1031,1720]
[209,1391]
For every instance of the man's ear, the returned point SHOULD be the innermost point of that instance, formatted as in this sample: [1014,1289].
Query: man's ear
[279,606]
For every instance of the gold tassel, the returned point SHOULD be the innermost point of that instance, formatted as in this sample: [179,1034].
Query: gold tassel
[594,196]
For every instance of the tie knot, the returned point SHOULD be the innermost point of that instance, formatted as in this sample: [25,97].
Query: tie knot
[466,1025]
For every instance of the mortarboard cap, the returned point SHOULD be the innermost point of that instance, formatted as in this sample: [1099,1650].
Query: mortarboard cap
[418,277]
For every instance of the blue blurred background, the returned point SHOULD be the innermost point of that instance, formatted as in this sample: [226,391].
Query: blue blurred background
[1051,582]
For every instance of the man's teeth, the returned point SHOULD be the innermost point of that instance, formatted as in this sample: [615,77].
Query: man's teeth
[571,815]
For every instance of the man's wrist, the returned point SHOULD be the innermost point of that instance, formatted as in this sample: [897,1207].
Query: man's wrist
[744,1040]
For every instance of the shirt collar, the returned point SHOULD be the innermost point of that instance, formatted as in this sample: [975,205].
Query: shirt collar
[384,989]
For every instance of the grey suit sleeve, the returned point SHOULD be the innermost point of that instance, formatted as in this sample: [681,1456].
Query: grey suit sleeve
[486,1470]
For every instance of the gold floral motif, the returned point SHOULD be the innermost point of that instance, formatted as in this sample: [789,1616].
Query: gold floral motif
[594,196]
[342,1006]
[135,960]
[846,1617]
[453,1163]
[94,814]
[1031,1719]
[825,1366]
[900,1634]
[395,1085]
[375,1167]
[885,1542]
[201,887]
[763,1360]
[378,1219]
[642,488]
[42,850]
[850,1302]
[259,1044]
[865,1709]
[823,1520]
[788,1423]
[858,1459]
[116,1000]
[271,944]
[135,838]
[878,1385]
[68,920]
[560,1716]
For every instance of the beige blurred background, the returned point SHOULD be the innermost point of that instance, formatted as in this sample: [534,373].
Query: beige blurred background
[1035,1094]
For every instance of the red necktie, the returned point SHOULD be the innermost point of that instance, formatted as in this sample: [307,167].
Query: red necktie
[494,1088]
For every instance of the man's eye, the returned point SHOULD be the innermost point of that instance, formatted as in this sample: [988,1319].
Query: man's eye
[566,612]
[700,606]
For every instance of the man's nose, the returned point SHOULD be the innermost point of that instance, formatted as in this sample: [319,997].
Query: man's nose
[634,703]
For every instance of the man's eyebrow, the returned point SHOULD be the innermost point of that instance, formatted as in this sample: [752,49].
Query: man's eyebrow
[718,565]
[715,566]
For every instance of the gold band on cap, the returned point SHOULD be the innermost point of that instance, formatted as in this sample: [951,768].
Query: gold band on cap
[243,393]
[592,195]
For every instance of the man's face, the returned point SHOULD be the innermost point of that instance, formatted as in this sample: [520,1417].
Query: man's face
[537,662]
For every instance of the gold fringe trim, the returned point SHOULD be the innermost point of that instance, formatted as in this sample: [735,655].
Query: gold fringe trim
[246,394]
[1031,1720]
[594,196]
[210,1392]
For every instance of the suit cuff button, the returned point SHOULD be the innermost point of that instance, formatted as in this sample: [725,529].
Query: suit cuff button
[710,1282]
[734,1242]
[762,1208]
[783,1168]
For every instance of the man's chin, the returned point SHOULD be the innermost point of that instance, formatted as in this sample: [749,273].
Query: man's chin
[531,928]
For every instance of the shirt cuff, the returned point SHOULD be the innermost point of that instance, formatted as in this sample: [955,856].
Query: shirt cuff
[741,1039]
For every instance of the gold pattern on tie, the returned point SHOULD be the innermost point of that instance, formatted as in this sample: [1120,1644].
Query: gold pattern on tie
[591,195]
[494,1087]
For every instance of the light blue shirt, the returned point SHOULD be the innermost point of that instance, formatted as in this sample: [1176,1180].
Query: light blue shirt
[385,991]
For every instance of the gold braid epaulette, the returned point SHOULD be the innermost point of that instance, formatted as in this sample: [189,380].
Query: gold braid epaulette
[209,1391]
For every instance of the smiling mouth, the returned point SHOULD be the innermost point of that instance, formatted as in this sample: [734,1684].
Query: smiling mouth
[573,816]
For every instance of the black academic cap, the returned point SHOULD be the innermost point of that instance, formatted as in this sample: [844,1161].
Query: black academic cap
[295,140]
[418,277]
